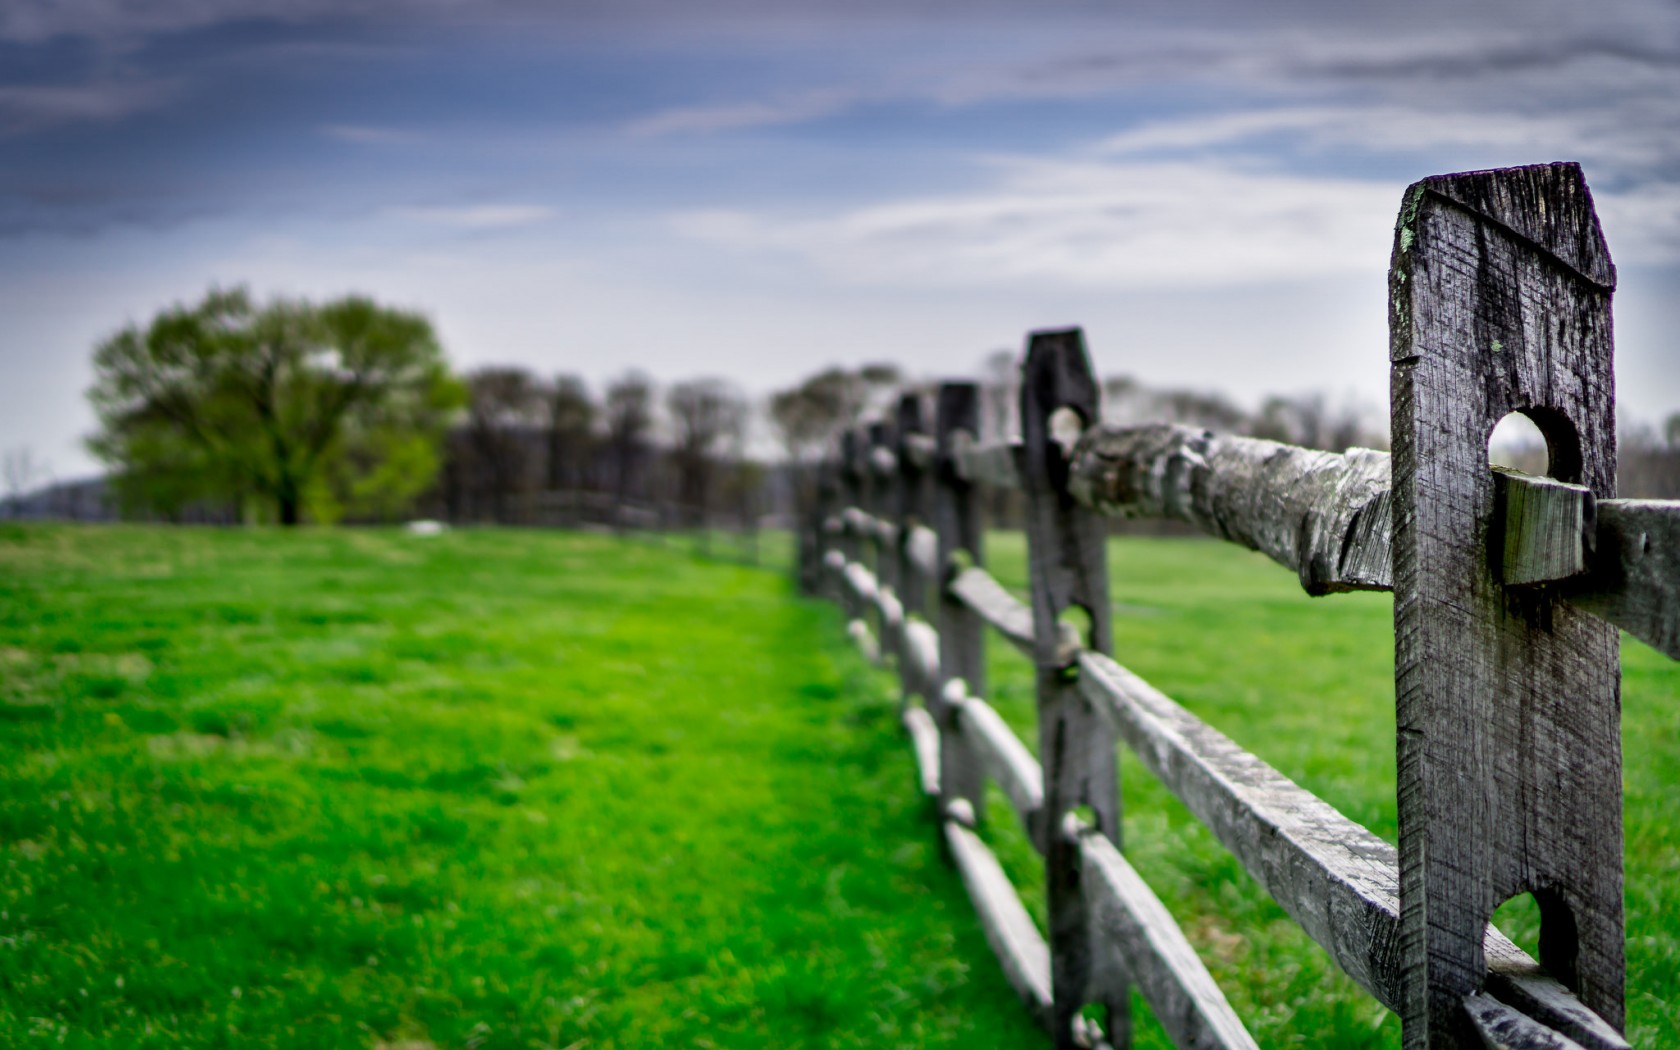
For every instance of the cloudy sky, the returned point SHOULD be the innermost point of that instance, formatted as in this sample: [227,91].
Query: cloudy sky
[756,189]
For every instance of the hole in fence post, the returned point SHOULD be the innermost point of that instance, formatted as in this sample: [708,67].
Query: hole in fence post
[1537,441]
[1077,619]
[1542,925]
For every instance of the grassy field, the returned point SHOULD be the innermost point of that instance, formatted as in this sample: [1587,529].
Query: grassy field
[506,789]
[1308,684]
[489,789]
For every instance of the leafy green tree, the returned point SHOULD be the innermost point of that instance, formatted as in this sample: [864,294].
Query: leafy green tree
[284,409]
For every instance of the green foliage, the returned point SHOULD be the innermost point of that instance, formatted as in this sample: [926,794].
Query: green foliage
[283,409]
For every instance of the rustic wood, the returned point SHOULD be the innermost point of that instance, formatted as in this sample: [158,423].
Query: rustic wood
[1324,515]
[1545,527]
[1507,699]
[1008,762]
[922,450]
[1067,552]
[865,640]
[924,740]
[914,508]
[1499,1027]
[882,461]
[922,547]
[1138,942]
[921,658]
[962,633]
[1019,947]
[1336,879]
[878,499]
[997,464]
[999,609]
[1635,582]
[1515,978]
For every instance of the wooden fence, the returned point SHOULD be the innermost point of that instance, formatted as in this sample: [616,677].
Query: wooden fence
[1508,591]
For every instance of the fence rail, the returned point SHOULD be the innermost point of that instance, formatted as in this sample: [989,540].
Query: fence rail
[1508,590]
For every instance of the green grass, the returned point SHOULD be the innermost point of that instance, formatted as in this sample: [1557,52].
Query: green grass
[518,789]
[488,789]
[1308,685]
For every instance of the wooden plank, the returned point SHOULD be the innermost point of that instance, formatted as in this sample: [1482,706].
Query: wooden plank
[1635,582]
[1008,762]
[922,450]
[882,462]
[1067,552]
[1499,1027]
[860,634]
[862,581]
[921,657]
[1138,942]
[1335,878]
[922,547]
[1007,614]
[924,739]
[997,464]
[1324,515]
[1544,526]
[1518,980]
[1507,699]
[1019,947]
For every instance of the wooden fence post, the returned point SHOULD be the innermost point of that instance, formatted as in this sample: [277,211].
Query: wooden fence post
[912,505]
[1069,561]
[1507,699]
[962,634]
[851,495]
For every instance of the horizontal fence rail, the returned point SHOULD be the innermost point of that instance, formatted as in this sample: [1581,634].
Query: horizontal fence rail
[1508,589]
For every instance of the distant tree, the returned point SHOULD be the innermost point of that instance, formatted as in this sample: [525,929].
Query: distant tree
[21,471]
[294,407]
[628,412]
[506,407]
[706,414]
[1671,430]
[571,432]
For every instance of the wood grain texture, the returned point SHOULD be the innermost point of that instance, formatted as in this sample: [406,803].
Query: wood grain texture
[1008,762]
[1139,943]
[1324,515]
[1019,947]
[1068,558]
[1499,1027]
[1544,528]
[1507,699]
[922,450]
[914,509]
[1335,878]
[959,533]
[1635,582]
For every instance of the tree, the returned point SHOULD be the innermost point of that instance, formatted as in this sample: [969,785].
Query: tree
[706,413]
[505,407]
[571,432]
[20,471]
[286,408]
[629,417]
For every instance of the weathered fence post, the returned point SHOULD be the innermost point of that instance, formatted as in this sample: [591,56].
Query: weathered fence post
[962,634]
[1508,700]
[912,505]
[1069,564]
[851,496]
[883,500]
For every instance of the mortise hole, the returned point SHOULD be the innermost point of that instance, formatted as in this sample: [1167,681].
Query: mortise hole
[1538,441]
[1517,442]
[1079,619]
[1542,925]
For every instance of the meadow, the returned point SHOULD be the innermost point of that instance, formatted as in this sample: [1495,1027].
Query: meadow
[492,788]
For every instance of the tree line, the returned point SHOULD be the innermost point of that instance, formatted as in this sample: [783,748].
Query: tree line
[286,411]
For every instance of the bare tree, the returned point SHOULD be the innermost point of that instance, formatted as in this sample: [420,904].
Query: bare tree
[21,471]
[629,416]
[706,413]
[571,433]
[505,405]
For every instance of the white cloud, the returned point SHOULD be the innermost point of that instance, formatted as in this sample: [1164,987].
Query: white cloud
[479,216]
[1089,224]
[32,107]
[738,117]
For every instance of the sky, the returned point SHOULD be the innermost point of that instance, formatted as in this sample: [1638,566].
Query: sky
[756,189]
